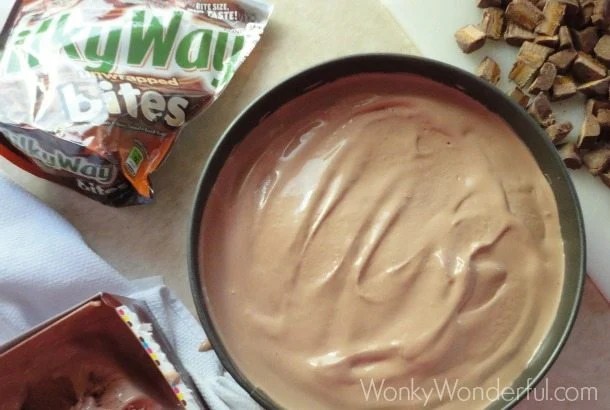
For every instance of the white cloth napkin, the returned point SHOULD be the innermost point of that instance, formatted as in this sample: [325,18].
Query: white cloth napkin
[46,268]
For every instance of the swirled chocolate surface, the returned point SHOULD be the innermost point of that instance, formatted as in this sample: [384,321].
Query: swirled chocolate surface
[379,234]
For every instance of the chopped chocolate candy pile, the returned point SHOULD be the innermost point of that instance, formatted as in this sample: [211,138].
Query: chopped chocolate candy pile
[564,50]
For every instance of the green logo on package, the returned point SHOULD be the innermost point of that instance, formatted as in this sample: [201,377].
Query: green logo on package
[149,40]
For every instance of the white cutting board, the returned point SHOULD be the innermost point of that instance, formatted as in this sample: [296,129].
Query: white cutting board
[431,24]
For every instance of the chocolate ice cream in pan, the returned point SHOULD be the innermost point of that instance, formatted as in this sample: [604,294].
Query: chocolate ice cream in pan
[102,354]
[381,223]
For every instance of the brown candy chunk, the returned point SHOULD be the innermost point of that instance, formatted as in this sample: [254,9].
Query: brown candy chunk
[524,14]
[547,41]
[587,68]
[593,106]
[470,38]
[584,17]
[572,7]
[563,60]
[489,70]
[493,23]
[540,110]
[602,49]
[534,54]
[586,39]
[545,79]
[597,88]
[603,117]
[520,97]
[205,346]
[564,87]
[516,35]
[529,60]
[597,160]
[522,74]
[565,38]
[569,155]
[589,133]
[483,4]
[559,132]
[554,11]
[601,13]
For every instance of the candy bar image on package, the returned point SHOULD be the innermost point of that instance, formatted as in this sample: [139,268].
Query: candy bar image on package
[102,354]
[95,92]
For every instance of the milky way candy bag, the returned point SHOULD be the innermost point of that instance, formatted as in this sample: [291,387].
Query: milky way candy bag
[94,92]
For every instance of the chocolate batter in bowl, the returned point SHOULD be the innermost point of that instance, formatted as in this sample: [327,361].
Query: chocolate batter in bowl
[384,225]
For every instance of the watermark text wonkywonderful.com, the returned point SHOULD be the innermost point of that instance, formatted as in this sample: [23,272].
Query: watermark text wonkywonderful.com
[451,390]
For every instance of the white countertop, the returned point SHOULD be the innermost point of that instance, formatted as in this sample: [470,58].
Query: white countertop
[152,240]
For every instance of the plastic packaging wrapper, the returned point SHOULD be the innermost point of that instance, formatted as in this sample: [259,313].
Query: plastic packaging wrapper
[103,354]
[95,92]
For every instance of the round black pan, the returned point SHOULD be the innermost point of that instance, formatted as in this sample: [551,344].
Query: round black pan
[525,127]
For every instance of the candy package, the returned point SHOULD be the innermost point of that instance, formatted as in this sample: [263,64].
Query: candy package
[95,92]
[104,353]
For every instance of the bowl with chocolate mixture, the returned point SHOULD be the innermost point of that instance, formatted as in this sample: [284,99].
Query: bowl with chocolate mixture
[381,225]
